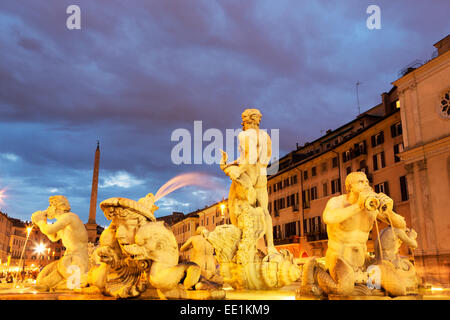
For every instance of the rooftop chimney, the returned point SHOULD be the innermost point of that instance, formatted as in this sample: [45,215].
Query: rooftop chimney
[443,45]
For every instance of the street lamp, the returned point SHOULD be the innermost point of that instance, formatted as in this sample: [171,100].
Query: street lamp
[40,249]
[29,228]
[222,208]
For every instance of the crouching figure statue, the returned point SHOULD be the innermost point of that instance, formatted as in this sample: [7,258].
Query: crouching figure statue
[137,252]
[348,268]
[70,271]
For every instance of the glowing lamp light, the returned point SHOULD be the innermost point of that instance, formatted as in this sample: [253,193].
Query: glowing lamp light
[222,208]
[40,248]
[397,104]
[29,230]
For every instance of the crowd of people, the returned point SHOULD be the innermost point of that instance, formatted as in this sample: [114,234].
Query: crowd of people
[28,276]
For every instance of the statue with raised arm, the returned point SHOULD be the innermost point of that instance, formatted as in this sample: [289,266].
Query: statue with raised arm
[248,196]
[71,231]
[242,263]
[350,218]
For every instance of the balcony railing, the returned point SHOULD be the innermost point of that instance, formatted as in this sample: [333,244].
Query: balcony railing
[316,236]
[319,233]
[288,240]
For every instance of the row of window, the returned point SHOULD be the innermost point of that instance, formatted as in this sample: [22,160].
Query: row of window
[293,179]
[307,196]
[281,203]
[283,184]
[18,242]
[323,168]
[313,225]
[312,193]
[376,140]
[378,160]
[313,228]
[384,188]
[360,148]
[216,222]
[184,228]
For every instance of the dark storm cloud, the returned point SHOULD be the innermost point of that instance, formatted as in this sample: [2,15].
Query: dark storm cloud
[138,70]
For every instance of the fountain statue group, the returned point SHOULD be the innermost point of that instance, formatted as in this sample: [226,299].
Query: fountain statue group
[348,268]
[138,256]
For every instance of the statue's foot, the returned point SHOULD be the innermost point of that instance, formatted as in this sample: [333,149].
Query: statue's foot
[273,255]
[363,290]
[193,273]
[42,288]
[208,285]
[89,290]
[272,250]
[178,292]
[217,278]
[310,290]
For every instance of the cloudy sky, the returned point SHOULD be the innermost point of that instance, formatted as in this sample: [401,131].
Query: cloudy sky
[138,70]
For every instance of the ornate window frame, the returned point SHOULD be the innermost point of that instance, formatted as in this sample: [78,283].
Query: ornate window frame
[443,104]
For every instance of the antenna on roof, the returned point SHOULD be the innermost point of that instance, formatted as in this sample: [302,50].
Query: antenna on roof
[357,97]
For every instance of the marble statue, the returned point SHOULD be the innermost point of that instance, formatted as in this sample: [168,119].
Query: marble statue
[350,218]
[136,252]
[71,231]
[400,269]
[248,174]
[242,265]
[389,242]
[202,253]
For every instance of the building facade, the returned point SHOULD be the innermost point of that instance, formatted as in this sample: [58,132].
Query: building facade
[5,233]
[39,250]
[185,226]
[424,95]
[183,230]
[312,174]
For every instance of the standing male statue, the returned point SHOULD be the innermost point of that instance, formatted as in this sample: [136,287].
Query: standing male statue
[242,264]
[71,231]
[250,171]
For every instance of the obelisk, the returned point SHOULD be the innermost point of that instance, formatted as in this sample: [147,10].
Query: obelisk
[91,225]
